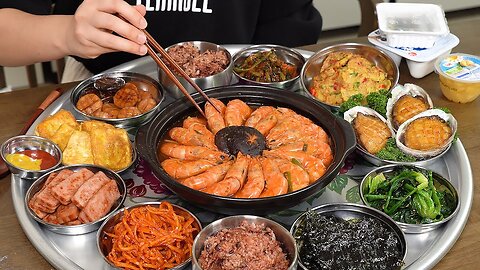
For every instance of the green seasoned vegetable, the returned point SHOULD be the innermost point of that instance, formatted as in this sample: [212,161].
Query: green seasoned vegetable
[378,101]
[409,196]
[329,242]
[355,100]
[391,152]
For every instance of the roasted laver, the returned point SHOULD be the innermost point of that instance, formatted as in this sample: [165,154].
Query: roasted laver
[372,133]
[406,107]
[427,133]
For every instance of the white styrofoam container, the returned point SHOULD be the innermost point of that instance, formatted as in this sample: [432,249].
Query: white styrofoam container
[411,24]
[420,62]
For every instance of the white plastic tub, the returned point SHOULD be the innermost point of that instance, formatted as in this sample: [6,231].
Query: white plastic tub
[411,24]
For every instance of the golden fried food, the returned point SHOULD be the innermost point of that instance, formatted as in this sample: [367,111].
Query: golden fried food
[101,114]
[126,97]
[128,112]
[90,125]
[111,109]
[344,74]
[111,148]
[89,103]
[372,133]
[406,107]
[146,105]
[427,133]
[78,150]
[63,134]
[49,127]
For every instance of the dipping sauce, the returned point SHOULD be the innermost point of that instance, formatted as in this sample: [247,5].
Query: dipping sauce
[32,160]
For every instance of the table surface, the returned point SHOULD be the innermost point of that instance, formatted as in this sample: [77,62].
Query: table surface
[16,251]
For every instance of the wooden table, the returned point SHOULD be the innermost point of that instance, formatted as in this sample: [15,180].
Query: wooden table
[16,252]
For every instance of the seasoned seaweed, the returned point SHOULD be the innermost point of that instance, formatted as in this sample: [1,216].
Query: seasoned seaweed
[329,242]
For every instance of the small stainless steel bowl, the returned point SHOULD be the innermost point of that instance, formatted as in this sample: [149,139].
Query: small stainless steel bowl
[347,211]
[29,142]
[82,228]
[288,55]
[282,235]
[104,242]
[376,56]
[414,228]
[220,79]
[143,82]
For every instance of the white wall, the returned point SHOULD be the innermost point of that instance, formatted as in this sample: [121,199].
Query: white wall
[346,13]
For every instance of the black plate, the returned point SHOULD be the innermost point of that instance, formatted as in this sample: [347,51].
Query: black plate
[340,132]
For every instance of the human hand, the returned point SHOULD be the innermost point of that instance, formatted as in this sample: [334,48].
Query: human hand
[90,32]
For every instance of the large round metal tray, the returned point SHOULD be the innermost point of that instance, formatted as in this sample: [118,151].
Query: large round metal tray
[79,252]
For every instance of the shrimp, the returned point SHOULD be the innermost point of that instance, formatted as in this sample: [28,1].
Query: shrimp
[192,120]
[258,114]
[126,97]
[266,124]
[89,103]
[296,176]
[214,118]
[234,178]
[255,181]
[178,168]
[236,113]
[208,177]
[146,105]
[189,152]
[196,134]
[128,112]
[275,182]
[111,109]
[312,147]
[313,165]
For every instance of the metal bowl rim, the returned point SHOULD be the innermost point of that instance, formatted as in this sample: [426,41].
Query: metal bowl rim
[33,137]
[56,227]
[263,47]
[338,47]
[358,208]
[117,74]
[248,218]
[219,48]
[138,205]
[407,227]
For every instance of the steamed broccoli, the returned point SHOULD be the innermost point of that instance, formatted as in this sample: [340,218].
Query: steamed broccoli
[391,152]
[378,101]
[355,100]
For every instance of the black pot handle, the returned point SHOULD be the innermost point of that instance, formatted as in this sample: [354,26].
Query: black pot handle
[349,133]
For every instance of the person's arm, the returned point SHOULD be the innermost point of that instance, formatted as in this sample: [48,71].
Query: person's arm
[28,38]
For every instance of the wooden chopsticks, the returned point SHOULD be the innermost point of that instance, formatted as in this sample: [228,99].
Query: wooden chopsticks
[151,42]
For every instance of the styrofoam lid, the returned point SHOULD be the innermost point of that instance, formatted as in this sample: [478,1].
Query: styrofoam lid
[411,18]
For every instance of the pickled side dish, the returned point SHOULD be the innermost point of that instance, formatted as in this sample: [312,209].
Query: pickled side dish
[330,242]
[267,67]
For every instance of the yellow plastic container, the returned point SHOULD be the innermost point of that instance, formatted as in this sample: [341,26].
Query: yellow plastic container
[459,76]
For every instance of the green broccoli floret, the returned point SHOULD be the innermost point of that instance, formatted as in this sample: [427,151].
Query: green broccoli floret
[378,101]
[445,109]
[355,100]
[391,152]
